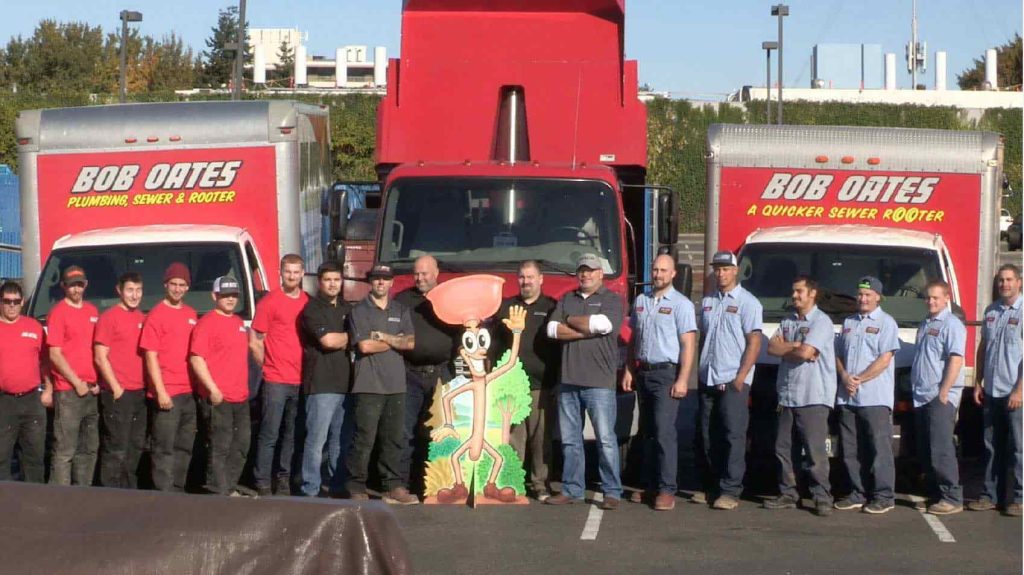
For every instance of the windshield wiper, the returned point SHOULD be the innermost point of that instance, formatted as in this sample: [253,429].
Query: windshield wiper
[441,264]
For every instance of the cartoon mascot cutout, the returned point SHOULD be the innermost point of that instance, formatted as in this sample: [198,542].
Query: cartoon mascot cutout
[471,416]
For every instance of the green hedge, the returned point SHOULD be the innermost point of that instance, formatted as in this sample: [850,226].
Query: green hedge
[676,133]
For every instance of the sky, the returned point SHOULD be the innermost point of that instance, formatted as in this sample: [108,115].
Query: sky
[692,49]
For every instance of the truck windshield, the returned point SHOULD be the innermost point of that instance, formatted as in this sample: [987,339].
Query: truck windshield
[103,265]
[493,223]
[767,271]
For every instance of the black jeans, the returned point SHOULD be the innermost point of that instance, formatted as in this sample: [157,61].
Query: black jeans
[866,441]
[22,422]
[810,425]
[228,435]
[173,434]
[420,384]
[123,437]
[379,419]
[75,438]
[722,439]
[277,432]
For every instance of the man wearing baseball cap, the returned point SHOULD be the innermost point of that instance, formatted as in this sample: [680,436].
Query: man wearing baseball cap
[380,327]
[219,356]
[864,351]
[731,340]
[164,341]
[70,328]
[587,321]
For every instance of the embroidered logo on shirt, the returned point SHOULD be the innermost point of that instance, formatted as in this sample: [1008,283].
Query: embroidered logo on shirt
[94,319]
[598,304]
[805,330]
[732,309]
[191,321]
[847,329]
[241,328]
[707,308]
[1013,321]
[395,319]
[540,313]
[933,331]
[639,309]
[665,310]
[29,335]
[872,330]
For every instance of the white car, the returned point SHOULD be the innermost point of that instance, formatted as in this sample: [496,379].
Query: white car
[1005,219]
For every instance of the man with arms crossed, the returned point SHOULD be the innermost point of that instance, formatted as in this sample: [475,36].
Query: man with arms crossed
[806,386]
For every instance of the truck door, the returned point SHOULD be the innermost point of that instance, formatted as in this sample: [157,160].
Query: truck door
[659,234]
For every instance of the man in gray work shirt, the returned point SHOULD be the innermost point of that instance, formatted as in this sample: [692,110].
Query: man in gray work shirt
[806,384]
[869,340]
[380,328]
[587,322]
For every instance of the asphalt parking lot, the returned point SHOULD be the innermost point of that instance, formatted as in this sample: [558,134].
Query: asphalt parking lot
[696,539]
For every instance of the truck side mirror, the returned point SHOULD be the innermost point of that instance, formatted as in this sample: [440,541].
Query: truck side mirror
[335,252]
[683,281]
[668,217]
[337,212]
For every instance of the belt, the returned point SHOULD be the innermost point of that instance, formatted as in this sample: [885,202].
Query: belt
[644,366]
[427,369]
[22,394]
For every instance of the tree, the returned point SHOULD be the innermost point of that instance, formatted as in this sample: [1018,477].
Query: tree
[59,57]
[1008,68]
[218,60]
[509,397]
[286,57]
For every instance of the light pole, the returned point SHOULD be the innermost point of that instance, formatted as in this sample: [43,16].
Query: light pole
[780,10]
[126,17]
[242,41]
[768,47]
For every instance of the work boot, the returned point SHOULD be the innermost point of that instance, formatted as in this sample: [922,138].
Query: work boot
[699,497]
[400,496]
[726,503]
[780,502]
[983,504]
[560,499]
[1012,510]
[665,502]
[455,494]
[823,508]
[505,494]
[944,508]
[282,486]
[609,504]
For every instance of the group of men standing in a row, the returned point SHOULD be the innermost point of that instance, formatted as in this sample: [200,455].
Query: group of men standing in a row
[570,351]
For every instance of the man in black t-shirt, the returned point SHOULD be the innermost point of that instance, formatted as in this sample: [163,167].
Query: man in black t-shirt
[326,379]
[428,363]
[539,354]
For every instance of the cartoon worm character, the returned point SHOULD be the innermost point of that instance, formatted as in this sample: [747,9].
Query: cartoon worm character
[475,343]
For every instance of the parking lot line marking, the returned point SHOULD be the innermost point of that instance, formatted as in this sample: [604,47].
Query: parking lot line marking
[937,527]
[940,530]
[593,524]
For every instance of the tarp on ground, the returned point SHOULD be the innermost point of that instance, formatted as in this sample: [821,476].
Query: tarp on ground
[54,530]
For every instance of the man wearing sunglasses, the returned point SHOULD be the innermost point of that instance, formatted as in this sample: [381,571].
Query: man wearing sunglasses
[22,405]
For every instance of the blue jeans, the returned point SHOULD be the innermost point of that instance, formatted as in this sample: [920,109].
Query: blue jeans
[280,404]
[601,407]
[1002,450]
[326,425]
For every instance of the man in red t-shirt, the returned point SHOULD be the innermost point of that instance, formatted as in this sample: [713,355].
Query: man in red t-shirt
[219,355]
[276,345]
[122,392]
[22,405]
[172,413]
[70,327]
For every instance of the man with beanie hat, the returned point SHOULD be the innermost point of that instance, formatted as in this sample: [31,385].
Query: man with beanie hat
[165,341]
